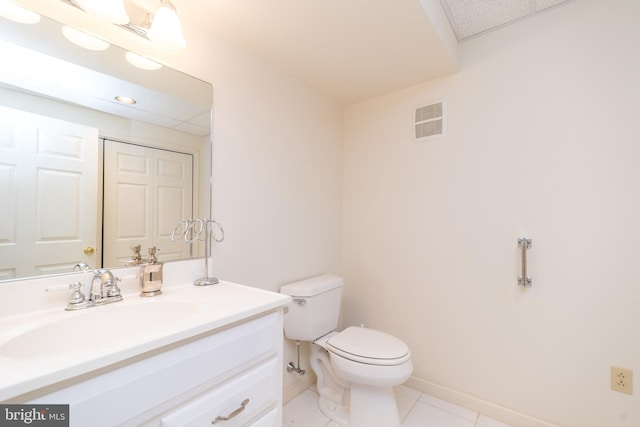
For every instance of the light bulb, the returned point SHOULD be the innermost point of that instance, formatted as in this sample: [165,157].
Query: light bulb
[13,12]
[165,27]
[142,62]
[83,39]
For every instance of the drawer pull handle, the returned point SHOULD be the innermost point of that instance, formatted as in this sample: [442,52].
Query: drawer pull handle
[233,414]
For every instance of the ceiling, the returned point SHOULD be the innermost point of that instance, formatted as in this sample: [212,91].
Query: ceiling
[349,49]
[356,49]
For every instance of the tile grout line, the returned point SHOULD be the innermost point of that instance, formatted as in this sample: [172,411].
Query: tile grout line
[413,405]
[477,417]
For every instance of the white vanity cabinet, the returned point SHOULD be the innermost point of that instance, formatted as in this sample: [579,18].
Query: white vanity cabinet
[234,372]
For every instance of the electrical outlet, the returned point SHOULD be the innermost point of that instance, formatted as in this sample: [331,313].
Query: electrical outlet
[621,380]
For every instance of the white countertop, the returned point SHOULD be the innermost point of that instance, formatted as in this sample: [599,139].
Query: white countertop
[207,309]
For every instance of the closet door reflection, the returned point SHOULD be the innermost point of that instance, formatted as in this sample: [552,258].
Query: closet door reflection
[48,193]
[147,191]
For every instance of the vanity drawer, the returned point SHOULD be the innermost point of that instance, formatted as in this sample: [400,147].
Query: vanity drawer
[247,397]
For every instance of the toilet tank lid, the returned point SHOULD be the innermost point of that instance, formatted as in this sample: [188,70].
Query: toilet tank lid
[312,286]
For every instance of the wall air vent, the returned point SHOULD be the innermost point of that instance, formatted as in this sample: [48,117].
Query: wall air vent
[429,121]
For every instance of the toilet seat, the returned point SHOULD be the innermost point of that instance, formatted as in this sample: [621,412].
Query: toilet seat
[322,341]
[369,346]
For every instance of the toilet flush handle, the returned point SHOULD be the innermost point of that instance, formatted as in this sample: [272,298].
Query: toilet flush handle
[300,301]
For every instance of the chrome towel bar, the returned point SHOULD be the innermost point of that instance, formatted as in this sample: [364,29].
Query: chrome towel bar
[524,244]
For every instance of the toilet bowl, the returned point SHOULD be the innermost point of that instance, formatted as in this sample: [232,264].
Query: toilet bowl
[357,367]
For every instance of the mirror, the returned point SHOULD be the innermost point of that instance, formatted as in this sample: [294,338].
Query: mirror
[59,99]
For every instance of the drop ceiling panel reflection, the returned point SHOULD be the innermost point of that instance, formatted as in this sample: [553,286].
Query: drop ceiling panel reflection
[470,18]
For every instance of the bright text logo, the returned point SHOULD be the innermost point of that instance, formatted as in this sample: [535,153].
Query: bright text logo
[34,415]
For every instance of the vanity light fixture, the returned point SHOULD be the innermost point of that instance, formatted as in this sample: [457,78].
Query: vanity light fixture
[161,26]
[165,28]
[83,39]
[111,10]
[16,13]
[141,62]
[125,100]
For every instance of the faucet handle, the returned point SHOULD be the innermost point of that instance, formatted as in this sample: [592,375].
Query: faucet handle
[136,258]
[153,258]
[77,300]
[114,290]
[76,295]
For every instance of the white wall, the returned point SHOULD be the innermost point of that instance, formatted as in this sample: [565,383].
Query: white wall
[277,171]
[277,166]
[542,142]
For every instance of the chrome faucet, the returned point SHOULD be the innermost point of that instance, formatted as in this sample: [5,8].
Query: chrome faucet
[108,283]
[136,258]
[107,293]
[81,266]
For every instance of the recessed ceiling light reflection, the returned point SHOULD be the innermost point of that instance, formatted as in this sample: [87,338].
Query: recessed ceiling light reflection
[83,39]
[142,62]
[125,100]
[13,12]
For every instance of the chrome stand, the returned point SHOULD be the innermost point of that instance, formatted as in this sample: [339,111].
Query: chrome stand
[191,230]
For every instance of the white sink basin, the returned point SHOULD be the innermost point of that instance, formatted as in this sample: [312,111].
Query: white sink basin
[96,329]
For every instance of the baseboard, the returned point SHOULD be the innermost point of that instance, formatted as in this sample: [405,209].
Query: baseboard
[483,407]
[298,387]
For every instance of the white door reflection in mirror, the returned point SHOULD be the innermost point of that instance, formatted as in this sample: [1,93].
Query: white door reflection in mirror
[147,191]
[48,186]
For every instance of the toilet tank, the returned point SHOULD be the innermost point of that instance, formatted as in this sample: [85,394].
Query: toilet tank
[315,309]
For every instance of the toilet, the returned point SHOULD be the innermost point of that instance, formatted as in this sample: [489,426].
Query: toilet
[356,368]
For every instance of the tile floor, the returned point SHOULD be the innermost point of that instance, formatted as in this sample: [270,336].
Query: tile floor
[416,410]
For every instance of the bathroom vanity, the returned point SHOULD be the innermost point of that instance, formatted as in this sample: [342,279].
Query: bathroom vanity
[191,356]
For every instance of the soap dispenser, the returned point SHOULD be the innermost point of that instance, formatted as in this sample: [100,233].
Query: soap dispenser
[151,279]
